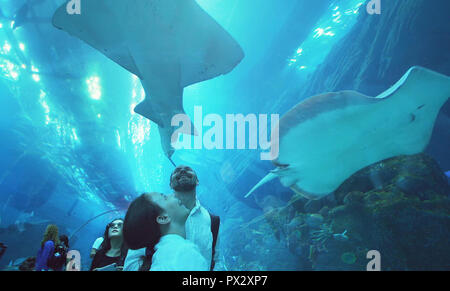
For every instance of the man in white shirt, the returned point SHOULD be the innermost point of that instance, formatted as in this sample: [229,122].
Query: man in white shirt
[198,224]
[158,221]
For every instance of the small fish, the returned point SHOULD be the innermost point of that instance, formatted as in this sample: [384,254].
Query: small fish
[447,174]
[257,232]
[341,236]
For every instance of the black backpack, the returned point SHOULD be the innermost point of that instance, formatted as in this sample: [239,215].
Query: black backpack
[215,224]
[58,259]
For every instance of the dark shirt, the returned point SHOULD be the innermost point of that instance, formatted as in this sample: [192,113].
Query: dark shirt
[61,251]
[101,260]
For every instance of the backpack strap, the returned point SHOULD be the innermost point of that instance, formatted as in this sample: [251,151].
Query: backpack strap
[215,224]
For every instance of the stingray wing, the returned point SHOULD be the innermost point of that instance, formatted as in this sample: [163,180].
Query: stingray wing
[209,50]
[159,33]
[178,40]
[327,138]
[100,26]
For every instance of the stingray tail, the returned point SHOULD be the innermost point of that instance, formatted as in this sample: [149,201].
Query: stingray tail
[267,178]
[146,109]
[170,159]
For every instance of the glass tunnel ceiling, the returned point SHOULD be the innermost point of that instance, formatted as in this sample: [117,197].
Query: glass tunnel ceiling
[133,135]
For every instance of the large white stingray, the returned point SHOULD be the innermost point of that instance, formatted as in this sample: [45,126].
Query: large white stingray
[168,44]
[327,138]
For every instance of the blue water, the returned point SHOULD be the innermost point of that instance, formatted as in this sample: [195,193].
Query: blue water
[71,146]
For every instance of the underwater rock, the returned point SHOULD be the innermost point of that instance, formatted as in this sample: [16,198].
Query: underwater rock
[295,223]
[348,258]
[324,211]
[413,186]
[294,242]
[353,197]
[298,202]
[313,206]
[417,175]
[405,217]
[314,220]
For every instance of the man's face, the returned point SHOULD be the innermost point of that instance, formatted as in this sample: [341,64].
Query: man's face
[171,206]
[183,179]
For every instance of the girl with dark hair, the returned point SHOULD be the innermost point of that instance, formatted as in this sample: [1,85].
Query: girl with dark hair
[64,239]
[112,251]
[47,247]
[156,222]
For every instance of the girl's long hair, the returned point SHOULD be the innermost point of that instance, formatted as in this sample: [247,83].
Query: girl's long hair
[51,233]
[106,244]
[64,239]
[140,228]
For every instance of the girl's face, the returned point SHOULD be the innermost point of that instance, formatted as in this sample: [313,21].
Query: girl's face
[171,205]
[115,228]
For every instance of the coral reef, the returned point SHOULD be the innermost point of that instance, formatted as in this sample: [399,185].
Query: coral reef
[399,207]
